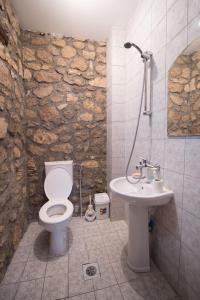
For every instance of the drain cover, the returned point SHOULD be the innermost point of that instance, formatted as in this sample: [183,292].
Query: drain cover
[90,271]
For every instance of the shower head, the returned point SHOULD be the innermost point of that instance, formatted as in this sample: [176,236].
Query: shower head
[127,45]
[144,55]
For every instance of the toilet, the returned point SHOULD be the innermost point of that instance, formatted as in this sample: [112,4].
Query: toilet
[56,214]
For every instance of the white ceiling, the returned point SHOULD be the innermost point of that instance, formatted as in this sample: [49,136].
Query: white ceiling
[78,18]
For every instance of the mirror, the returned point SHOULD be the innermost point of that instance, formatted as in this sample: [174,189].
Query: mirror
[184,93]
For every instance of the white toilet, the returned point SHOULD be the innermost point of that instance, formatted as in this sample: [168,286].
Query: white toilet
[56,214]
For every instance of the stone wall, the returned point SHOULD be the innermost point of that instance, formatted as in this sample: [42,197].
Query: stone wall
[184,96]
[12,141]
[65,108]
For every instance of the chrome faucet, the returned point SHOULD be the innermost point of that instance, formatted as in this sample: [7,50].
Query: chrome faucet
[144,163]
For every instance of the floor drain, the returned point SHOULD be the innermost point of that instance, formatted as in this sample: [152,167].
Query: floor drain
[90,271]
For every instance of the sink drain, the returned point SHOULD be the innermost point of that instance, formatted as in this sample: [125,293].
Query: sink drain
[90,271]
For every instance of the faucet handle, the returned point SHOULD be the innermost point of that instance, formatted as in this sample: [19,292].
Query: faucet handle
[156,165]
[142,158]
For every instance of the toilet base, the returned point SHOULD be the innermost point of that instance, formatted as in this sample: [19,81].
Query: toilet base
[58,242]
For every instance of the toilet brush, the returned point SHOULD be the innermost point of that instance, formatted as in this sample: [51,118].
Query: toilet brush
[90,214]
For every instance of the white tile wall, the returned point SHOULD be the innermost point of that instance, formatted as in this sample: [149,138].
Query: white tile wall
[176,18]
[193,29]
[191,198]
[175,47]
[193,9]
[158,36]
[174,154]
[116,115]
[118,74]
[158,11]
[164,27]
[159,97]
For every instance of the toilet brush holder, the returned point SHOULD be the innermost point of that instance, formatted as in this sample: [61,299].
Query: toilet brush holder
[90,214]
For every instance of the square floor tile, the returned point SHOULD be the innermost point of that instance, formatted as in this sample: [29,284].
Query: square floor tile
[78,253]
[87,296]
[77,259]
[77,284]
[28,239]
[35,228]
[76,222]
[119,225]
[39,254]
[123,235]
[14,272]
[134,291]
[111,238]
[34,269]
[88,224]
[77,244]
[122,272]
[157,285]
[40,247]
[57,265]
[91,231]
[30,290]
[21,254]
[55,287]
[106,278]
[105,227]
[99,255]
[94,242]
[77,266]
[116,253]
[8,291]
[29,236]
[76,233]
[110,293]
[104,221]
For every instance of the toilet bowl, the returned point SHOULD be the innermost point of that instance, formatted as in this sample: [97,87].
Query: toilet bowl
[56,214]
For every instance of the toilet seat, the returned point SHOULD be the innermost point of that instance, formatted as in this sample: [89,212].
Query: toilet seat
[55,212]
[58,184]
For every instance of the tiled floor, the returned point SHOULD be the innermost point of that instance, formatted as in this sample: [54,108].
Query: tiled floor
[34,275]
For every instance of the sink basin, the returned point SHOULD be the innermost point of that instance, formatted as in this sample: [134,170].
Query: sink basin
[139,197]
[140,194]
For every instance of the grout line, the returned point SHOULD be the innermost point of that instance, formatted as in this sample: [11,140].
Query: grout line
[186,210]
[16,290]
[18,282]
[44,280]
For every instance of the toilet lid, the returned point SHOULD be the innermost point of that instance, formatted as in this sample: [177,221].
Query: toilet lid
[58,184]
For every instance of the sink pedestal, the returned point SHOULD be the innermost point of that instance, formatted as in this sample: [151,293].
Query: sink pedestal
[138,243]
[140,197]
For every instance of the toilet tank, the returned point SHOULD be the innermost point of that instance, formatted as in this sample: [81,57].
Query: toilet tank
[66,164]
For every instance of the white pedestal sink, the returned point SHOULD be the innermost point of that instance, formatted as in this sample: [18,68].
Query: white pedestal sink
[140,197]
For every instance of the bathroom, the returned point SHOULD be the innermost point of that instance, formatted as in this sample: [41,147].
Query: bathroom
[70,91]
